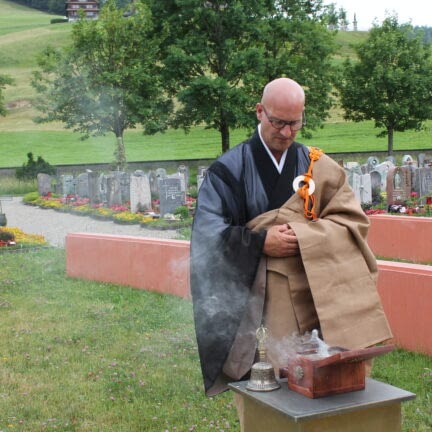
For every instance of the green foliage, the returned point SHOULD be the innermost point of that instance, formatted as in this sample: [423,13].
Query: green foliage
[32,168]
[391,81]
[183,212]
[297,43]
[107,79]
[30,197]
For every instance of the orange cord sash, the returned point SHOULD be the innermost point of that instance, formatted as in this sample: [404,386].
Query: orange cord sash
[308,187]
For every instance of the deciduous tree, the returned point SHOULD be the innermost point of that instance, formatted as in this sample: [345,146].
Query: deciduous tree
[391,82]
[108,78]
[220,53]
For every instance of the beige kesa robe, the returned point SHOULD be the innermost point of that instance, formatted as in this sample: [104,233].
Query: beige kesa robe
[332,284]
[338,267]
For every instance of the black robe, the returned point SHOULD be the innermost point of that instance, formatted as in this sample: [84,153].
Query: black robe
[242,184]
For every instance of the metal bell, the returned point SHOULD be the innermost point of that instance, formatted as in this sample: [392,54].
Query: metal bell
[262,378]
[262,373]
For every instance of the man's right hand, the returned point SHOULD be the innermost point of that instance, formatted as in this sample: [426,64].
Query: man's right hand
[281,241]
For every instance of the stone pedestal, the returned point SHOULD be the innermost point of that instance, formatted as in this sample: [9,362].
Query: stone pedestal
[376,408]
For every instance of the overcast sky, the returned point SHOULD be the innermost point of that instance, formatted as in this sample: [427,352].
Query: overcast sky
[418,12]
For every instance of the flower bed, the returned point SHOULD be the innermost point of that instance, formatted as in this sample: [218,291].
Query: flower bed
[12,238]
[119,214]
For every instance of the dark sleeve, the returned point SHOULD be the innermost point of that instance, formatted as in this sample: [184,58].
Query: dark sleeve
[224,259]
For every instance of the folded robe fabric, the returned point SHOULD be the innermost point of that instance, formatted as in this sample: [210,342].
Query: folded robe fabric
[335,269]
[339,266]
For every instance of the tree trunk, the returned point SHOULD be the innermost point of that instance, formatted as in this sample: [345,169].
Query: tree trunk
[120,154]
[390,132]
[224,131]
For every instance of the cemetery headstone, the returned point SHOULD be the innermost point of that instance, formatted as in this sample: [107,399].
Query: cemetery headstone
[153,180]
[113,190]
[140,195]
[171,195]
[375,177]
[103,188]
[398,185]
[83,185]
[94,188]
[183,169]
[44,183]
[372,162]
[362,188]
[383,169]
[423,183]
[391,159]
[161,173]
[68,184]
[407,160]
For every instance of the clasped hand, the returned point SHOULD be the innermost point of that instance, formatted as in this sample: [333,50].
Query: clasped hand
[281,241]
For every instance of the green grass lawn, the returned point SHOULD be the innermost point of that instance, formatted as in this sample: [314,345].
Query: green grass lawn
[87,356]
[65,147]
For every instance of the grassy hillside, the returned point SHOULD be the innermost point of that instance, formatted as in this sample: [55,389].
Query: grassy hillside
[24,32]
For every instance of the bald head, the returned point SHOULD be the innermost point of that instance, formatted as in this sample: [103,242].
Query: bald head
[283,92]
[283,101]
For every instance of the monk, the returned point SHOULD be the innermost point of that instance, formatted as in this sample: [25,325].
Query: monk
[279,239]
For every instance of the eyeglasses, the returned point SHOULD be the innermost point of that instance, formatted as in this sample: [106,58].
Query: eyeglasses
[279,124]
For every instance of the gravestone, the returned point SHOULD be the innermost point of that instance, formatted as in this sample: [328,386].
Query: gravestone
[423,182]
[391,159]
[103,188]
[68,184]
[83,185]
[140,195]
[183,169]
[161,173]
[383,169]
[407,160]
[94,188]
[424,160]
[113,190]
[124,179]
[181,177]
[201,173]
[354,169]
[44,183]
[171,195]
[362,187]
[352,165]
[398,185]
[372,162]
[153,180]
[375,177]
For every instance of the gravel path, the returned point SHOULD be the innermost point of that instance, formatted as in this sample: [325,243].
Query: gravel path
[54,225]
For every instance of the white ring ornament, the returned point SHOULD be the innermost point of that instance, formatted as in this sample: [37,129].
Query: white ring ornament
[301,178]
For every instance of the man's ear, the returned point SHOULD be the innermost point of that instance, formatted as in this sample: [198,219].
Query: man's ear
[259,111]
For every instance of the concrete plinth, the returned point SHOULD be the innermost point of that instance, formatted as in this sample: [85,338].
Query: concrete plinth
[377,408]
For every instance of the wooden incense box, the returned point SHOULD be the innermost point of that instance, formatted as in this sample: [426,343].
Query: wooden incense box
[340,372]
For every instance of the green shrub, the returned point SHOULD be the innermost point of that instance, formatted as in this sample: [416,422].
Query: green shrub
[183,212]
[31,197]
[32,168]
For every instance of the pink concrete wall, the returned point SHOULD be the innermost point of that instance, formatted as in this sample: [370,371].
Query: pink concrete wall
[163,266]
[401,237]
[152,264]
[406,294]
